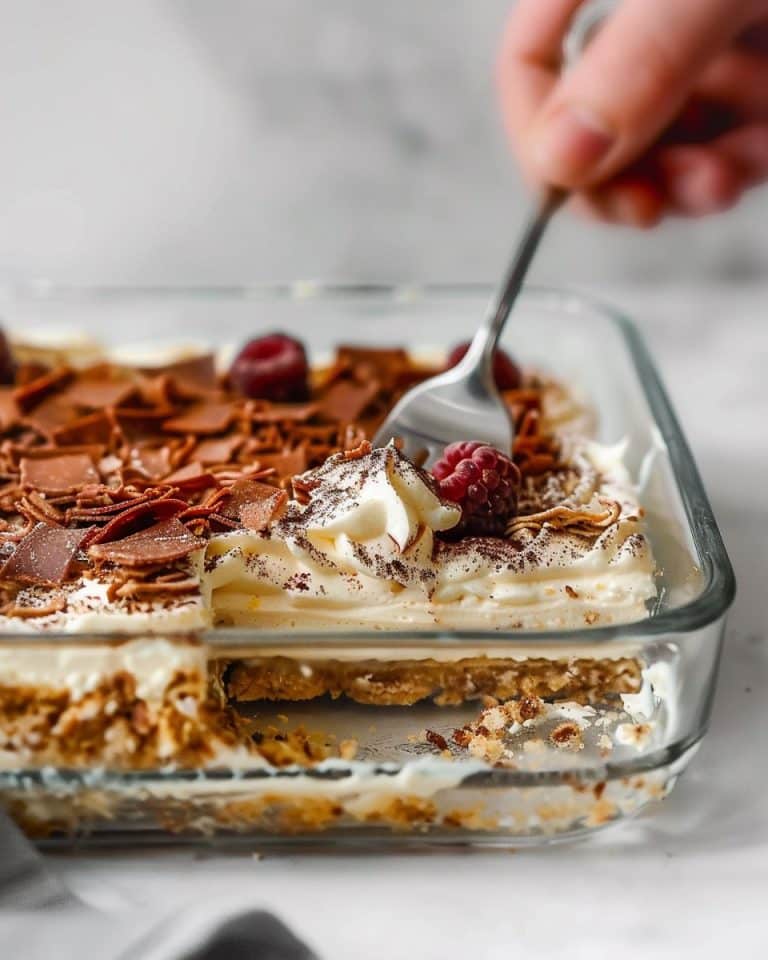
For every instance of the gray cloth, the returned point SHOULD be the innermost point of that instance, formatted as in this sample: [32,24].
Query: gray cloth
[36,909]
[25,881]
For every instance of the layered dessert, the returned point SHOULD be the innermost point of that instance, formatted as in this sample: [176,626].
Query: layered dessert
[147,509]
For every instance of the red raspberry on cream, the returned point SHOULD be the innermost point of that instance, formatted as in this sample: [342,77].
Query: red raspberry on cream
[483,481]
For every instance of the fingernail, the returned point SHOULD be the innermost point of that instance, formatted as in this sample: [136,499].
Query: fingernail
[569,145]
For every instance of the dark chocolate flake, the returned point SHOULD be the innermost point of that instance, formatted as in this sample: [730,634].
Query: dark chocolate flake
[164,542]
[45,555]
[140,516]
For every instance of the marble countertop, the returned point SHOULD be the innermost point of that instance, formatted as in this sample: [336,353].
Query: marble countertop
[691,878]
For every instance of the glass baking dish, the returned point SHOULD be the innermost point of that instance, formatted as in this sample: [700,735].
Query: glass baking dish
[625,743]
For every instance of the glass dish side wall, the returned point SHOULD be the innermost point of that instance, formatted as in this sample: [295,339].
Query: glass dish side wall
[653,732]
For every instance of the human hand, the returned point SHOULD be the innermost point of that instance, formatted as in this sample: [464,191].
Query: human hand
[666,111]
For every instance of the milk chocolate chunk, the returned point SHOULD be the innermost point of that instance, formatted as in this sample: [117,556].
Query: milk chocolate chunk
[93,428]
[140,424]
[383,358]
[345,400]
[193,372]
[57,475]
[155,462]
[50,415]
[254,504]
[96,393]
[163,542]
[45,555]
[202,418]
[286,463]
[221,450]
[190,477]
[268,505]
[285,412]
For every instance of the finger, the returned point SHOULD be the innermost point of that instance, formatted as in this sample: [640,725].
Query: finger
[698,180]
[687,180]
[630,82]
[747,149]
[529,60]
[709,178]
[755,37]
[738,80]
[634,199]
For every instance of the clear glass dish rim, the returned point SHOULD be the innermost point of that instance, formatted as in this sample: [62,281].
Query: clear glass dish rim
[719,581]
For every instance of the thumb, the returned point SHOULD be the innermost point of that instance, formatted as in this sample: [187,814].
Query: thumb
[629,84]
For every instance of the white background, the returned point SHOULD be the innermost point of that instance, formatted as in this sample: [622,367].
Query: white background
[233,140]
[260,140]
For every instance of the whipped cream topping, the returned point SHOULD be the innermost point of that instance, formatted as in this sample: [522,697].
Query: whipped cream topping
[381,494]
[366,535]
[363,552]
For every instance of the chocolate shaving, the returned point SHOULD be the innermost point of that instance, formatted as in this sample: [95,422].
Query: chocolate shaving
[198,372]
[285,413]
[45,555]
[270,505]
[163,542]
[65,473]
[191,478]
[53,603]
[140,424]
[360,451]
[382,359]
[253,504]
[95,393]
[286,463]
[30,394]
[154,462]
[94,428]
[50,415]
[154,588]
[346,400]
[34,506]
[578,521]
[225,523]
[221,450]
[202,418]
[138,517]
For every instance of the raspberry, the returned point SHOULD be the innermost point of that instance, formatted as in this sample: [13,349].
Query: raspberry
[7,363]
[483,481]
[273,367]
[506,372]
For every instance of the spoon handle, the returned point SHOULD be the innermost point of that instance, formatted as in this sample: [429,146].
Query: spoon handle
[486,338]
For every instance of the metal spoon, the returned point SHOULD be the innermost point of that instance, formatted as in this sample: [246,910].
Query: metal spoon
[463,403]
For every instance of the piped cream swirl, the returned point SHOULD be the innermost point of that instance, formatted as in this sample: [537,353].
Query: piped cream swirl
[381,494]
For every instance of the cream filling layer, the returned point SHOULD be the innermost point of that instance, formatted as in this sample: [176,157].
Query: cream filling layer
[82,668]
[368,557]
